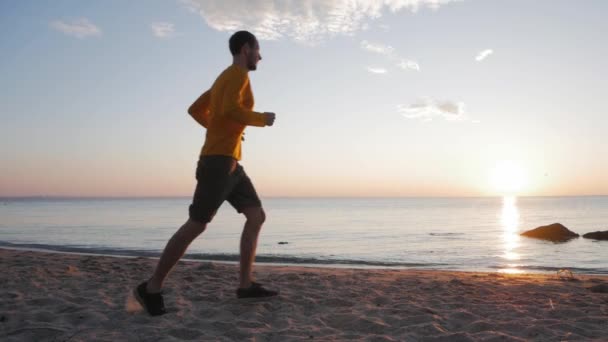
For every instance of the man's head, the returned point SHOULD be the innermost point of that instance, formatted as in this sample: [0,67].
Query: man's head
[244,46]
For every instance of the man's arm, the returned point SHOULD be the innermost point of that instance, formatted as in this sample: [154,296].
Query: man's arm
[232,104]
[199,110]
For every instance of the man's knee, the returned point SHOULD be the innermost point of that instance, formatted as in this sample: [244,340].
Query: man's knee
[191,229]
[198,224]
[257,216]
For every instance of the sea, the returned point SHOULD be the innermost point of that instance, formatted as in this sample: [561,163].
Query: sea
[462,234]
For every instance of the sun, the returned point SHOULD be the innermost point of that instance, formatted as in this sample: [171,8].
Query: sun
[508,178]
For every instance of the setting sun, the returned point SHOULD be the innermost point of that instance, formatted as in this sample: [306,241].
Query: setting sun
[508,177]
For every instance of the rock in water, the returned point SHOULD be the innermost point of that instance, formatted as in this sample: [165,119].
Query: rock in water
[597,235]
[554,232]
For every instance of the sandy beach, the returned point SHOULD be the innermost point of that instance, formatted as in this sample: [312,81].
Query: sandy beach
[70,297]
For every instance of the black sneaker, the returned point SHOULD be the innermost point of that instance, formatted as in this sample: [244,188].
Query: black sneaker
[256,290]
[152,302]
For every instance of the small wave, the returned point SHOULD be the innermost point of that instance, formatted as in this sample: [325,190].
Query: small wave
[553,269]
[261,258]
[286,259]
[80,249]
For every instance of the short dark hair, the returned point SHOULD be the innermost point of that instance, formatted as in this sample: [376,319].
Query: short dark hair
[239,39]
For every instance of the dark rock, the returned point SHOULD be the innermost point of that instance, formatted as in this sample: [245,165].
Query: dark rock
[597,235]
[602,288]
[555,232]
[283,242]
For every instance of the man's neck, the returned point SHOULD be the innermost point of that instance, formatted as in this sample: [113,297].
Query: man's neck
[240,63]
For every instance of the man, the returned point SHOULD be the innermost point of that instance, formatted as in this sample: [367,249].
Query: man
[224,110]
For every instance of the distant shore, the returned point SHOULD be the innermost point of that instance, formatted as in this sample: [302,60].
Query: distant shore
[58,296]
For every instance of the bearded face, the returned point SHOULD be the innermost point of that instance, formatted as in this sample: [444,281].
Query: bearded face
[253,56]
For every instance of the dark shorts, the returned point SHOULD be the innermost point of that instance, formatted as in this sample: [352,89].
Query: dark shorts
[221,178]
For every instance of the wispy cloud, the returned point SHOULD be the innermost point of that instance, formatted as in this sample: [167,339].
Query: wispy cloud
[79,28]
[407,64]
[307,21]
[384,27]
[374,70]
[389,52]
[163,29]
[483,54]
[427,109]
[377,48]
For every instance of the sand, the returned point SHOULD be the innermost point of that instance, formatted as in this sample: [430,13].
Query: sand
[70,297]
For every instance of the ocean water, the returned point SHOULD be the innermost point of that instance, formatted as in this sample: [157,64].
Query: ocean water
[471,234]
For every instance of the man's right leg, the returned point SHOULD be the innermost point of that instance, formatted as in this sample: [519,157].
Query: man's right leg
[213,175]
[175,249]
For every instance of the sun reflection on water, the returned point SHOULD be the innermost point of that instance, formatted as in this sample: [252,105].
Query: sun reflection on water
[509,220]
[511,270]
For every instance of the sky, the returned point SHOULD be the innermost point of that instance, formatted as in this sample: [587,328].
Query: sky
[373,98]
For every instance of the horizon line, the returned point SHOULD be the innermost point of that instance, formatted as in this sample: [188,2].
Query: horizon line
[3,198]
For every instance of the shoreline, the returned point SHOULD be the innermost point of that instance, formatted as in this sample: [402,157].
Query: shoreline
[289,260]
[83,297]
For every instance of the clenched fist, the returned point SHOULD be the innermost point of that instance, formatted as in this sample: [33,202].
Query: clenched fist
[269,118]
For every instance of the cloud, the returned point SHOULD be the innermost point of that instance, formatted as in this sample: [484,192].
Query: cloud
[306,21]
[428,109]
[407,64]
[79,28]
[163,29]
[384,27]
[389,52]
[376,70]
[377,48]
[483,54]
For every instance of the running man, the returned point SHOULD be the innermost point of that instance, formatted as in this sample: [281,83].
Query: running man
[224,110]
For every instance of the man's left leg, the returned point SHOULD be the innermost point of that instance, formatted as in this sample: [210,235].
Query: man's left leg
[249,242]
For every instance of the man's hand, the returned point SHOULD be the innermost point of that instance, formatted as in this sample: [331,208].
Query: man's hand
[269,118]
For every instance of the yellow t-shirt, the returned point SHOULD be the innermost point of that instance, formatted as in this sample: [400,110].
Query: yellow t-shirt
[225,110]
